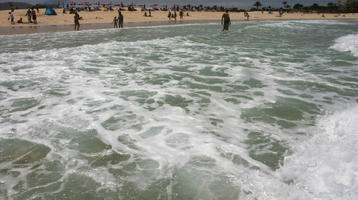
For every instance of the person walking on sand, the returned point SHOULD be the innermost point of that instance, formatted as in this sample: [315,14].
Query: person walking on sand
[34,17]
[120,20]
[225,20]
[11,17]
[181,14]
[28,13]
[115,22]
[169,15]
[174,16]
[77,21]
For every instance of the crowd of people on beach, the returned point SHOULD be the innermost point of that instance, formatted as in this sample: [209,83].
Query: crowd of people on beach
[117,21]
[173,15]
[30,13]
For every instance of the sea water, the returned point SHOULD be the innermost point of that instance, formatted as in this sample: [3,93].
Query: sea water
[266,111]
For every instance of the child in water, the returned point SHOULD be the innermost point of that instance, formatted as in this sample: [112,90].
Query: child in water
[115,22]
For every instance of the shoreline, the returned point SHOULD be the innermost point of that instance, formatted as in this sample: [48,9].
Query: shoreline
[102,20]
[15,30]
[20,30]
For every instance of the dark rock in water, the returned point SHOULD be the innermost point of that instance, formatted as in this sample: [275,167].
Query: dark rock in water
[21,151]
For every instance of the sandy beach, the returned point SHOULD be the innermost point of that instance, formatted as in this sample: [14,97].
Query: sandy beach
[103,19]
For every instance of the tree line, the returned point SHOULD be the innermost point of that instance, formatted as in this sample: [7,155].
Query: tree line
[348,6]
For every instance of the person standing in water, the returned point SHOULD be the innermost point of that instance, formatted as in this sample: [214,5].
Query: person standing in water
[120,20]
[77,21]
[225,20]
[115,22]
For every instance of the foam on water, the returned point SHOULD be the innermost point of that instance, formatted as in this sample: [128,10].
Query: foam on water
[348,43]
[180,115]
[325,166]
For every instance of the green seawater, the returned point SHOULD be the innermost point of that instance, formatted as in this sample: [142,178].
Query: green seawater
[267,110]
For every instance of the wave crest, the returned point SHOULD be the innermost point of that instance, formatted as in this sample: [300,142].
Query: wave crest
[347,43]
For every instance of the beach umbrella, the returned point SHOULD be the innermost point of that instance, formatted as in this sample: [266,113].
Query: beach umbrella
[154,5]
[132,4]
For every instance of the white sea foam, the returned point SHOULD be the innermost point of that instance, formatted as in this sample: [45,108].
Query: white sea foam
[348,43]
[322,22]
[325,166]
[173,135]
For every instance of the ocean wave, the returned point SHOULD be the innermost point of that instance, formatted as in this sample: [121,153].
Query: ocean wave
[347,43]
[326,166]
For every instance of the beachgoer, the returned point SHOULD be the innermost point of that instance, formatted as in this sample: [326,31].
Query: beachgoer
[28,13]
[169,15]
[77,21]
[187,14]
[181,14]
[34,17]
[150,13]
[280,12]
[175,16]
[120,20]
[145,14]
[115,22]
[11,17]
[225,20]
[19,21]
[247,16]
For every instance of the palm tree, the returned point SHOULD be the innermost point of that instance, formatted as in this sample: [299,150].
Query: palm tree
[257,4]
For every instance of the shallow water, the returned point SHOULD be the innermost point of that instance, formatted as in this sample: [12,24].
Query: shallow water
[268,110]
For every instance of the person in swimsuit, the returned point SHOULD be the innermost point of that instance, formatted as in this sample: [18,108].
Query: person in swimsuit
[11,17]
[34,17]
[115,22]
[77,21]
[169,15]
[120,20]
[225,20]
